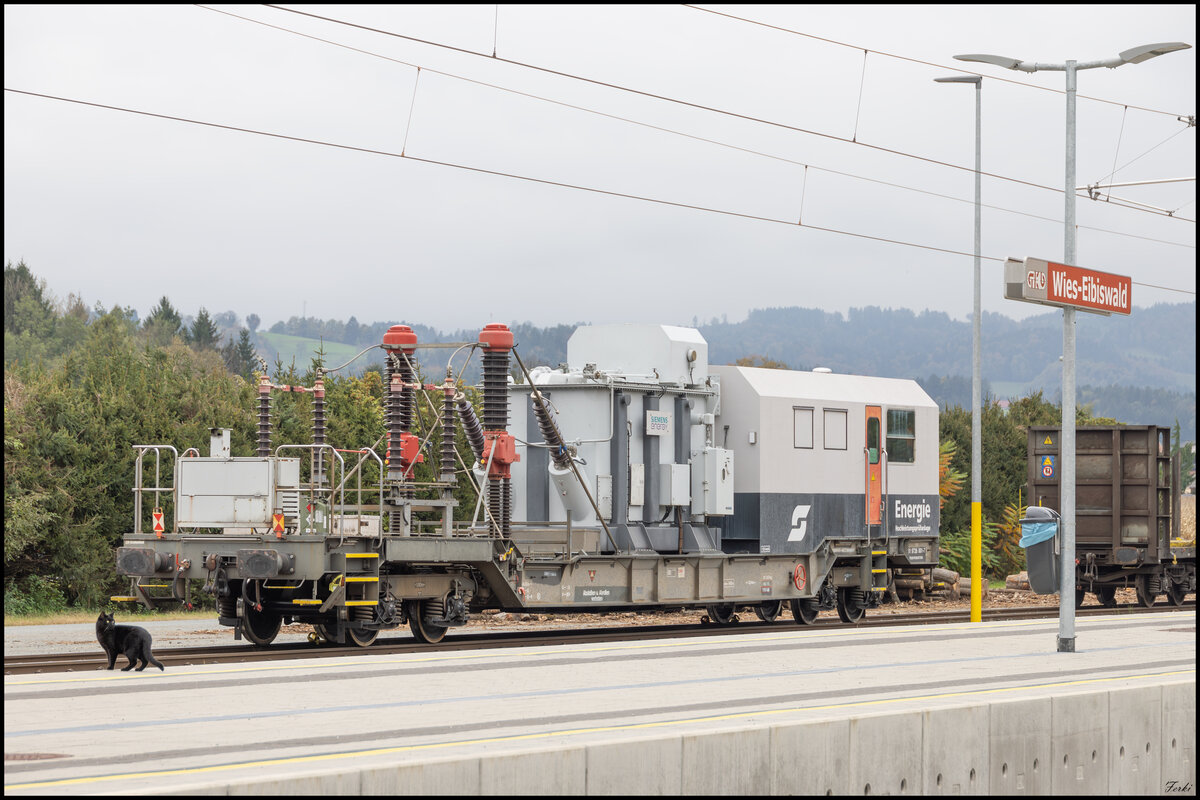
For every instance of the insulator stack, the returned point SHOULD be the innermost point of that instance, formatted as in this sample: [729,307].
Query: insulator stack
[318,422]
[399,345]
[471,426]
[264,417]
[395,427]
[495,389]
[550,433]
[495,502]
[448,431]
[500,446]
[407,401]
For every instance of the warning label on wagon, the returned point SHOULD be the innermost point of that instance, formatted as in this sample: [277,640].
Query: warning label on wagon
[601,594]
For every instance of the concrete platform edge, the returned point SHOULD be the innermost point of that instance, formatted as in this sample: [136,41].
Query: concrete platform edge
[1119,740]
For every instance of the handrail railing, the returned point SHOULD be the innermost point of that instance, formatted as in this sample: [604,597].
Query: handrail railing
[312,489]
[138,489]
[363,453]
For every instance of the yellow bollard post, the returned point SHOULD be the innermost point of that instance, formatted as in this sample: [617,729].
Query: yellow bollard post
[976,562]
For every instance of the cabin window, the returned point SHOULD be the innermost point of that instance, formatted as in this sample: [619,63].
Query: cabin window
[901,436]
[803,419]
[835,429]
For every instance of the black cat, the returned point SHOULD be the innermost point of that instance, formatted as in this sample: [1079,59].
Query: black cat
[131,640]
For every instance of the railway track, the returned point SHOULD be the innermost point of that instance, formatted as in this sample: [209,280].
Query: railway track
[394,645]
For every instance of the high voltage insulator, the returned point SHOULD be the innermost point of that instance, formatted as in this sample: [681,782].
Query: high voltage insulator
[471,426]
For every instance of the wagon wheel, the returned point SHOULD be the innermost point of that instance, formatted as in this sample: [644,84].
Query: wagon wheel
[1141,585]
[1175,592]
[769,612]
[849,605]
[260,627]
[722,615]
[363,638]
[1107,596]
[805,611]
[422,630]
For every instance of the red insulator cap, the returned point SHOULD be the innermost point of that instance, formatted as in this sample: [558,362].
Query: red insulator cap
[400,337]
[496,337]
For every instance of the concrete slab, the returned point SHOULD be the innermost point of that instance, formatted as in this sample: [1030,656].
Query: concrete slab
[886,754]
[553,770]
[1134,731]
[1079,744]
[727,763]
[955,745]
[1178,740]
[811,758]
[422,779]
[1019,747]
[636,767]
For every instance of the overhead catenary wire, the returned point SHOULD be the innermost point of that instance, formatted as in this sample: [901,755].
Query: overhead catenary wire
[693,136]
[927,63]
[611,193]
[687,103]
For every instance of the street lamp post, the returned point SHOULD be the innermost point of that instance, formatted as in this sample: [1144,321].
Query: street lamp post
[1136,55]
[976,379]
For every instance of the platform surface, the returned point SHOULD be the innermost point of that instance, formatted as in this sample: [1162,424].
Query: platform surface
[494,721]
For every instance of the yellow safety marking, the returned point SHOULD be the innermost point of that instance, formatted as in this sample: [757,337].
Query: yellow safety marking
[154,586]
[121,597]
[518,737]
[301,601]
[336,582]
[362,555]
[879,552]
[362,579]
[878,588]
[877,571]
[361,603]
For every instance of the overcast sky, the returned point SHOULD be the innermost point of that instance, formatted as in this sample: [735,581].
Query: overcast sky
[125,208]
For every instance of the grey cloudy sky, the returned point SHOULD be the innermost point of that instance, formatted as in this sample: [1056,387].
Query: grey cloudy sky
[124,208]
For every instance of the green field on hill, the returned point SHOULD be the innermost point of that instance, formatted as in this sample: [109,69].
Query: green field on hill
[304,350]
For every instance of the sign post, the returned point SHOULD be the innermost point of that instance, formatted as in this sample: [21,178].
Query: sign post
[1071,288]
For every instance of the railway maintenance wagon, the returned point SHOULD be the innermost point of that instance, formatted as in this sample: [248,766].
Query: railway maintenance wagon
[635,476]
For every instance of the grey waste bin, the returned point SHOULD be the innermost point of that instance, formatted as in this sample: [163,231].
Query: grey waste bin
[1039,537]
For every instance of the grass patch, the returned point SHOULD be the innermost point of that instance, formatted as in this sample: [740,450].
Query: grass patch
[80,615]
[303,349]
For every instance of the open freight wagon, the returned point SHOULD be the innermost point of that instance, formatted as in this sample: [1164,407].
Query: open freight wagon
[1127,509]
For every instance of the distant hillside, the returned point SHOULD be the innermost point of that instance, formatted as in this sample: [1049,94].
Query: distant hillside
[1139,369]
[1153,348]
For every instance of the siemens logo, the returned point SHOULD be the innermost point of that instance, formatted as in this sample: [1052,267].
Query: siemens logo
[918,511]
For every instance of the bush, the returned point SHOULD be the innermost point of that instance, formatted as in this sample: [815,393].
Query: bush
[34,595]
[956,551]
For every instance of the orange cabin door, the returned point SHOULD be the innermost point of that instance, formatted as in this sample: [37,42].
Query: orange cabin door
[874,476]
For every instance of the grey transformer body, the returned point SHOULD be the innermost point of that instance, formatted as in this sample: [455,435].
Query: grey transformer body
[634,477]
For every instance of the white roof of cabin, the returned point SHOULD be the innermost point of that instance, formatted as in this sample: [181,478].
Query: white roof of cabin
[832,387]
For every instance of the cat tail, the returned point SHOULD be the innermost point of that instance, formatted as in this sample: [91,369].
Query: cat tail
[150,657]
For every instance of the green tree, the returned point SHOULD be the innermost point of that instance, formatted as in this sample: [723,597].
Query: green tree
[240,357]
[69,461]
[1187,457]
[204,333]
[163,324]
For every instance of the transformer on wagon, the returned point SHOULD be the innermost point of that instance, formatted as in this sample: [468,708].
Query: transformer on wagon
[636,476]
